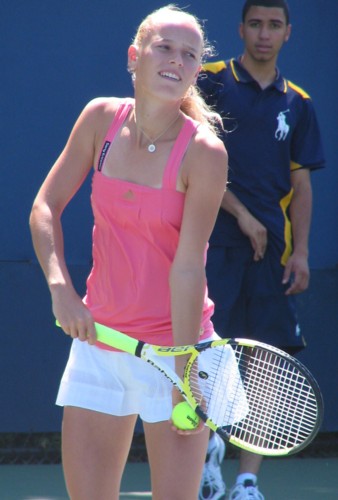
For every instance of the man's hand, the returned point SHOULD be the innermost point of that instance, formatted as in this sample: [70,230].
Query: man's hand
[255,231]
[296,269]
[248,224]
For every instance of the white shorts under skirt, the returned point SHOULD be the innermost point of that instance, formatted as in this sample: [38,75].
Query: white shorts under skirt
[115,383]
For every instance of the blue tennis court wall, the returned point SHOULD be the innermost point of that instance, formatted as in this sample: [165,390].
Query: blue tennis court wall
[55,57]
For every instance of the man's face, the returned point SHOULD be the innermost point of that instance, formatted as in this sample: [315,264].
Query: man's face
[264,32]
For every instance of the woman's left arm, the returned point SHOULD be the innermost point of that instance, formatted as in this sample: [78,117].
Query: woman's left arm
[204,175]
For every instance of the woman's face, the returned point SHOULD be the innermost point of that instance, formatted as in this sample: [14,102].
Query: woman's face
[168,60]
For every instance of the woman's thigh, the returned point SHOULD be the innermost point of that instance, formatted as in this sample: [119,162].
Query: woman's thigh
[95,449]
[176,462]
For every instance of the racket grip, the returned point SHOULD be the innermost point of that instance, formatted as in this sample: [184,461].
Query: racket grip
[114,338]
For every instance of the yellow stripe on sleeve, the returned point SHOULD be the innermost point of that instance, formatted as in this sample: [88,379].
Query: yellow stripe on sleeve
[295,166]
[214,67]
[299,90]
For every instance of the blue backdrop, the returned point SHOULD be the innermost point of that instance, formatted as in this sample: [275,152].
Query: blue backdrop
[55,57]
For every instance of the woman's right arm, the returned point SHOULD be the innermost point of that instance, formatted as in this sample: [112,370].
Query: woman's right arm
[60,185]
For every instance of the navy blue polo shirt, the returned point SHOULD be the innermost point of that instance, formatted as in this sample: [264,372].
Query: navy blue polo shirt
[268,134]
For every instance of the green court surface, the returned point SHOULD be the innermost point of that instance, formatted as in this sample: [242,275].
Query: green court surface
[280,479]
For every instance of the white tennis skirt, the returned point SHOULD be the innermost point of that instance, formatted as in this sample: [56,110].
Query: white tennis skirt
[116,383]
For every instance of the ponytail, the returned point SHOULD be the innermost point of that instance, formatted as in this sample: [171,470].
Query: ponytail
[194,105]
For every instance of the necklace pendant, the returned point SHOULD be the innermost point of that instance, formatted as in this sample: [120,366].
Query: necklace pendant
[151,148]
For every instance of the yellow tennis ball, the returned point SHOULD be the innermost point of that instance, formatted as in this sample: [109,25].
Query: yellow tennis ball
[184,417]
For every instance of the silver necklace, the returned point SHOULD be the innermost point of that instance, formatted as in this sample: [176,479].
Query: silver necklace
[151,147]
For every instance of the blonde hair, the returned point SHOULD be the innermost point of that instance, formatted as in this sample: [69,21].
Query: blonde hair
[193,104]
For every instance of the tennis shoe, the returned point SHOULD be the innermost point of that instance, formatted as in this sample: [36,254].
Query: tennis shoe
[212,485]
[246,491]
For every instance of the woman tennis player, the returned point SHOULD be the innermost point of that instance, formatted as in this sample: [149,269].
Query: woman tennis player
[159,175]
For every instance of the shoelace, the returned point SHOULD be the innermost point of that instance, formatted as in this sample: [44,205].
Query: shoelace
[210,484]
[209,477]
[252,493]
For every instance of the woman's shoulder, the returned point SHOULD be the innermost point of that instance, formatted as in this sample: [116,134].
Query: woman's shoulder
[206,142]
[100,112]
[206,156]
[106,105]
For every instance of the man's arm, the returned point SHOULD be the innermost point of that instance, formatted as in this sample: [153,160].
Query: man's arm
[300,213]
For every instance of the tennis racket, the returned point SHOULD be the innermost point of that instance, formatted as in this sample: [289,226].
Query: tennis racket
[253,395]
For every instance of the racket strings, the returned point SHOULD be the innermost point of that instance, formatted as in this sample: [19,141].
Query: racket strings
[283,407]
[257,396]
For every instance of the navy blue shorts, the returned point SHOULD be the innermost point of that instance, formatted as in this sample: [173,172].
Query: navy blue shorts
[250,300]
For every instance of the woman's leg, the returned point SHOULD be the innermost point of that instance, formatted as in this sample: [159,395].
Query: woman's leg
[95,449]
[176,462]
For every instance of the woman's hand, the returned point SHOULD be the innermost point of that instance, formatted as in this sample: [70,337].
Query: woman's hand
[178,398]
[73,316]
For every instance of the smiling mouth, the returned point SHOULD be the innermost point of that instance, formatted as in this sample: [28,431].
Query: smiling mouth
[170,76]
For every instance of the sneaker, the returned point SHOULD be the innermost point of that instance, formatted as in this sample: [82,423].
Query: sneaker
[212,485]
[246,491]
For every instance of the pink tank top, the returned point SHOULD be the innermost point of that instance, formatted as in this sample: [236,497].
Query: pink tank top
[135,237]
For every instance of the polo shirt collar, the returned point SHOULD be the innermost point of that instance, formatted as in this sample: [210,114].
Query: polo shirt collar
[242,75]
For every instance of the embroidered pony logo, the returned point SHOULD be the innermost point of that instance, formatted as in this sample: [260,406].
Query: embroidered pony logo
[283,128]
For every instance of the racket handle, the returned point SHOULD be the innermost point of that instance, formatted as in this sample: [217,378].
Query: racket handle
[114,338]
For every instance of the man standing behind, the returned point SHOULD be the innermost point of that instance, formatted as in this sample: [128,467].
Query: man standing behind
[258,254]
